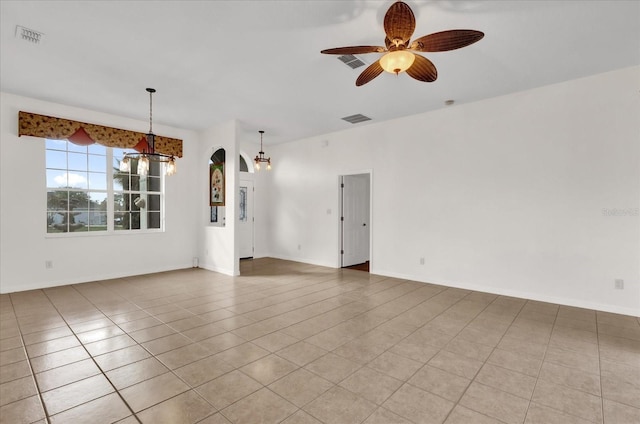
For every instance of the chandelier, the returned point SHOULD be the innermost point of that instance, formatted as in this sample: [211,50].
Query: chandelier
[149,154]
[260,156]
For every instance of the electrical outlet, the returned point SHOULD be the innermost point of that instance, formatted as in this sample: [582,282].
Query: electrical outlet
[422,261]
[48,264]
[619,284]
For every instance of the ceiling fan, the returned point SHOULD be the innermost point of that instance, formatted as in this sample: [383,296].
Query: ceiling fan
[399,24]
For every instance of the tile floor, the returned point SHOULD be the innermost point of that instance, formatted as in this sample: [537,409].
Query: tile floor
[294,343]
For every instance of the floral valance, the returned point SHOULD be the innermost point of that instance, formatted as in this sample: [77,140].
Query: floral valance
[84,134]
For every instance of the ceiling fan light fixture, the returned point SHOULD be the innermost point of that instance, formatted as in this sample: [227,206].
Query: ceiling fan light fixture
[260,156]
[397,61]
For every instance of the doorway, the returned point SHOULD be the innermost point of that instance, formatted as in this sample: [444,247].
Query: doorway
[245,219]
[355,228]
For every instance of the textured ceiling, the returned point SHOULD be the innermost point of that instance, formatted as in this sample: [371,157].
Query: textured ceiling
[259,61]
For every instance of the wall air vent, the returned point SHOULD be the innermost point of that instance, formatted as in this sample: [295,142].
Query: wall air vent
[351,61]
[354,119]
[30,35]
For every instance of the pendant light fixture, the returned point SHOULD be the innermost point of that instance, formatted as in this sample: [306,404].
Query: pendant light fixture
[260,156]
[149,154]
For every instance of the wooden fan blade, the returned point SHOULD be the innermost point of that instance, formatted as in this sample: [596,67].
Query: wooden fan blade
[422,69]
[370,73]
[355,50]
[399,22]
[446,40]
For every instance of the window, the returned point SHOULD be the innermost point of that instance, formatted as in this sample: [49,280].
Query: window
[85,195]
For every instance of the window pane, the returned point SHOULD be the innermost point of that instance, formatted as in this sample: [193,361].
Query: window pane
[56,179]
[154,219]
[155,168]
[98,201]
[135,220]
[97,221]
[137,200]
[56,159]
[57,200]
[97,180]
[77,161]
[76,148]
[77,180]
[97,149]
[56,144]
[54,223]
[134,182]
[120,201]
[121,221]
[97,163]
[153,183]
[120,181]
[153,202]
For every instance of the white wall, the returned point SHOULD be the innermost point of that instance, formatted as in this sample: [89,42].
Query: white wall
[504,195]
[24,244]
[218,248]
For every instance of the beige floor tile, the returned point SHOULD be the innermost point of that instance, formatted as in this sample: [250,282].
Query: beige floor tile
[570,401]
[152,333]
[495,403]
[51,334]
[202,371]
[456,364]
[222,342]
[269,369]
[621,383]
[99,334]
[186,408]
[184,355]
[418,405]
[395,365]
[104,410]
[507,380]
[74,394]
[301,353]
[153,391]
[300,387]
[136,372]
[215,419]
[58,359]
[11,356]
[243,354]
[301,417]
[615,412]
[263,406]
[540,414]
[275,341]
[571,377]
[121,357]
[333,367]
[139,324]
[469,349]
[17,389]
[24,411]
[384,416]
[360,383]
[227,389]
[572,359]
[167,343]
[109,345]
[515,361]
[60,376]
[14,371]
[338,406]
[202,332]
[419,353]
[462,415]
[441,383]
[50,346]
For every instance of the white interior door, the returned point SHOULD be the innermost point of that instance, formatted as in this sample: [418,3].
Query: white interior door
[245,221]
[355,219]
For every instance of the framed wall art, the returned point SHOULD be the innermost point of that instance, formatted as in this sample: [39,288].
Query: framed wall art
[216,184]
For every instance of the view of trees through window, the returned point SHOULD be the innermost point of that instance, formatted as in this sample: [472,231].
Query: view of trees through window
[84,194]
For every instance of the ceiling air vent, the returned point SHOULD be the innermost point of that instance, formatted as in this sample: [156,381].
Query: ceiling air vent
[29,35]
[351,61]
[354,119]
